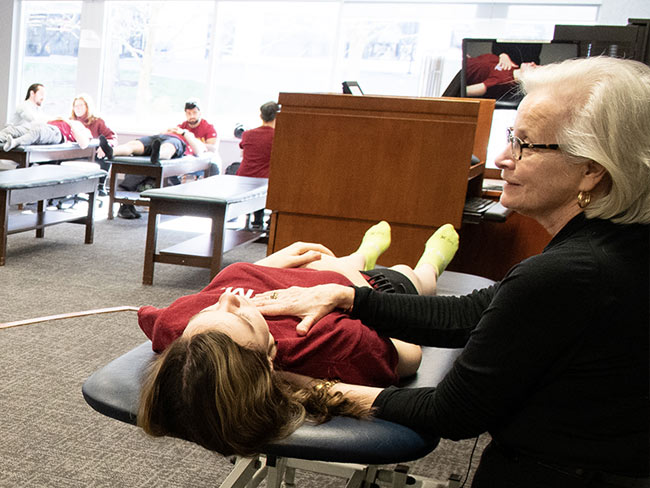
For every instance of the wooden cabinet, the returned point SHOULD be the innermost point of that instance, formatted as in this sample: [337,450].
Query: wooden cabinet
[341,163]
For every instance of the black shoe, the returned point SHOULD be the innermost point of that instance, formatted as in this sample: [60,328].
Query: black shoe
[128,212]
[106,147]
[155,151]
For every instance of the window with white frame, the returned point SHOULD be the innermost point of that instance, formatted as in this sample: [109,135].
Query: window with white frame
[157,55]
[49,47]
[235,55]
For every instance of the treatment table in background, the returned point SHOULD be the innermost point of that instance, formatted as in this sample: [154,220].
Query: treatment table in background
[220,198]
[39,184]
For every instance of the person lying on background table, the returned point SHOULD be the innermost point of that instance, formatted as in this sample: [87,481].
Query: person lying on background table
[53,132]
[174,143]
[556,355]
[219,380]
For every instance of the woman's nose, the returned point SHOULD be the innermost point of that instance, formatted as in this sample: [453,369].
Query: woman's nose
[504,159]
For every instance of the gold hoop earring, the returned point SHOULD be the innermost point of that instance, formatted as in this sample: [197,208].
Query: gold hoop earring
[584,199]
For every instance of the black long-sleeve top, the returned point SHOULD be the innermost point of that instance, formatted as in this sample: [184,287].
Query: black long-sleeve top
[555,361]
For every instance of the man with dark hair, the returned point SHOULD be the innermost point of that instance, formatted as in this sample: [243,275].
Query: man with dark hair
[29,110]
[256,151]
[200,127]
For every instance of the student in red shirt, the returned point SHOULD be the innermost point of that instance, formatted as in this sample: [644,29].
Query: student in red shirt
[221,379]
[83,110]
[197,125]
[256,151]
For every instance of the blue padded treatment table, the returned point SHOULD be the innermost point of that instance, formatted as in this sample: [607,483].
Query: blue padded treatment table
[113,391]
[142,165]
[25,156]
[39,184]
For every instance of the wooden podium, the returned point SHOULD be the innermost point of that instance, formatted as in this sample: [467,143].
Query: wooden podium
[341,163]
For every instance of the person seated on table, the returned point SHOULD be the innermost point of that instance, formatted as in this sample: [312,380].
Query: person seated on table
[256,145]
[53,132]
[220,379]
[197,125]
[555,358]
[31,109]
[83,111]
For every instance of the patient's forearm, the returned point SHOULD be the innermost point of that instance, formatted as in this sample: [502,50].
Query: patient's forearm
[197,146]
[477,90]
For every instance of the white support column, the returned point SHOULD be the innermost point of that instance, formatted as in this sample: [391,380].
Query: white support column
[9,32]
[91,55]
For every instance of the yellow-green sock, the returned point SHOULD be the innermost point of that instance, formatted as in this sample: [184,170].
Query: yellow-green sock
[375,241]
[440,248]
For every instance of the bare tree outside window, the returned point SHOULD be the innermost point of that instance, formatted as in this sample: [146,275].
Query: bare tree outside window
[158,56]
[50,51]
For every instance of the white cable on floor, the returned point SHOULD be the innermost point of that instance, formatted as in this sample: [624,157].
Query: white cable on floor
[83,313]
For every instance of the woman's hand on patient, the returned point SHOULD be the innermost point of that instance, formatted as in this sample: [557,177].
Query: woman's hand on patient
[308,304]
[296,255]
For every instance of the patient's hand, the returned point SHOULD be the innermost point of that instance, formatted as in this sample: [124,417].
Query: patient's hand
[505,63]
[296,255]
[308,304]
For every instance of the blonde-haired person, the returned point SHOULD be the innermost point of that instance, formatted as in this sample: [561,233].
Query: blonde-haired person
[555,359]
[83,110]
[220,380]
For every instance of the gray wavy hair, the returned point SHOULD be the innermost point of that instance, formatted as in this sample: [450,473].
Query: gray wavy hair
[607,120]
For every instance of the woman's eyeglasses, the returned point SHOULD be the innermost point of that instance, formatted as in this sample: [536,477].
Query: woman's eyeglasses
[517,145]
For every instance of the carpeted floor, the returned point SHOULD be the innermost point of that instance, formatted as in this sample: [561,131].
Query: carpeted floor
[49,437]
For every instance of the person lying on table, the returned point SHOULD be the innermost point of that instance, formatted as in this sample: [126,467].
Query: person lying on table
[492,76]
[174,143]
[219,380]
[53,132]
[555,359]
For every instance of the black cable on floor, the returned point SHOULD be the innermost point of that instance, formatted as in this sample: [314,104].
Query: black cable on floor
[469,465]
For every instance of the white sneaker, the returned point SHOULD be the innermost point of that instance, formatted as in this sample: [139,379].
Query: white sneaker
[10,144]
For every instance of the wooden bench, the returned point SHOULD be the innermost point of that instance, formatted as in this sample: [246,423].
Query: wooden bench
[142,165]
[39,184]
[220,198]
[25,156]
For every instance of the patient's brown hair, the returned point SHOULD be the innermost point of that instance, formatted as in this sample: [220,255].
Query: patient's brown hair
[208,389]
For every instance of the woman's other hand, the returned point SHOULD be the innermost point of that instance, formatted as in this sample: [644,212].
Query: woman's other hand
[296,255]
[308,304]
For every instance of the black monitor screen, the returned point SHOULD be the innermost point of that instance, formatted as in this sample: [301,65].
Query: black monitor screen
[352,88]
[490,67]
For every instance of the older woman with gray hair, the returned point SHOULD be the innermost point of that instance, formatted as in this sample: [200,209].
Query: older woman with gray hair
[555,360]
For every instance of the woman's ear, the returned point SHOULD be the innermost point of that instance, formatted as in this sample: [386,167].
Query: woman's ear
[593,174]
